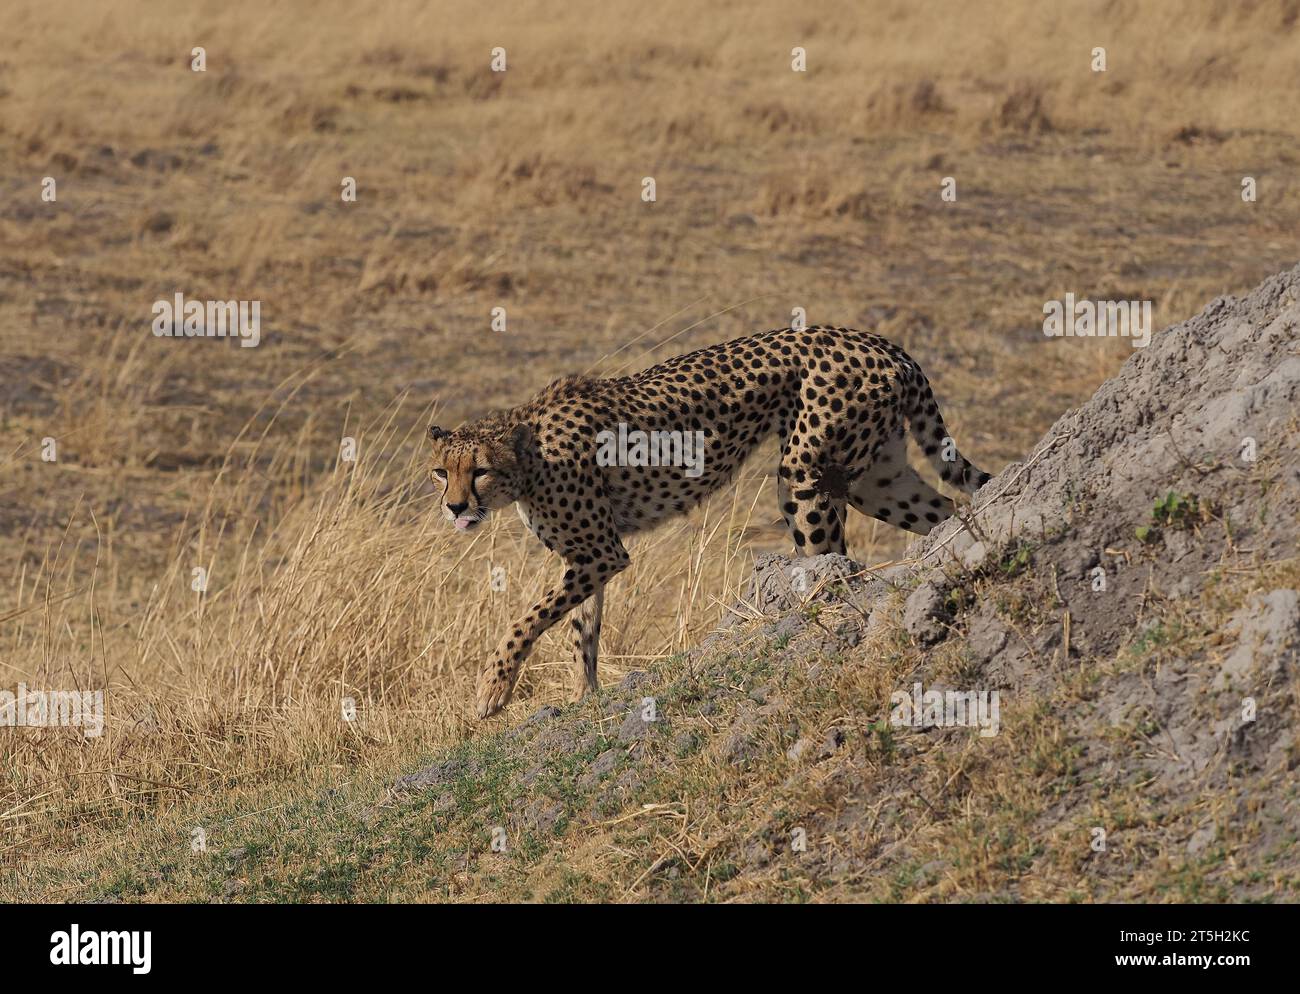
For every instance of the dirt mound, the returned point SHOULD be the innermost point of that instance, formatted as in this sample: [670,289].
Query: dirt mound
[1180,460]
[1128,594]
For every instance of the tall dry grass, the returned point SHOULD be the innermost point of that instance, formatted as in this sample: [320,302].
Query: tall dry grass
[292,68]
[351,621]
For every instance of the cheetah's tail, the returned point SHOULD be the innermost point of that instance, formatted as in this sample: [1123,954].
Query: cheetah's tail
[932,436]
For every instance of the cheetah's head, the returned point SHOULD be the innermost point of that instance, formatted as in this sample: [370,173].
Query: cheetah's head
[476,471]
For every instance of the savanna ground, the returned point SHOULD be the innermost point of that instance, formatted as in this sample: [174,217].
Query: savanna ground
[332,580]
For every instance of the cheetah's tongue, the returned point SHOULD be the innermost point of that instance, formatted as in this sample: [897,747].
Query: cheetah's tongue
[463,523]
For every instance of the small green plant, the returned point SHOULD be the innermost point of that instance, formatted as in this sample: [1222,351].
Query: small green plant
[885,744]
[958,599]
[1016,563]
[1173,510]
[1176,509]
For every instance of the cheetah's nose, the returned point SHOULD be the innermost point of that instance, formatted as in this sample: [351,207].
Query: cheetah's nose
[457,508]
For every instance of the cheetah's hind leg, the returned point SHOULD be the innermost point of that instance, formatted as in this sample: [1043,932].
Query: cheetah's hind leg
[901,499]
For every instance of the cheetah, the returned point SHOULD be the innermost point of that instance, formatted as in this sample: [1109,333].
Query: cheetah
[836,398]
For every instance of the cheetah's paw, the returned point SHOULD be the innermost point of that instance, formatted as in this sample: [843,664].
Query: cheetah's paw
[493,692]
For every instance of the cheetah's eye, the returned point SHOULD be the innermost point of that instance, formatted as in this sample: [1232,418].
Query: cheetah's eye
[440,474]
[481,471]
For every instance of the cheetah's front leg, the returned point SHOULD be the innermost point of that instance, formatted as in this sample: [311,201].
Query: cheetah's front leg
[586,644]
[496,681]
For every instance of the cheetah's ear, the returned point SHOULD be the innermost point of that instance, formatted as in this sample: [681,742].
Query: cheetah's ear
[520,439]
[436,433]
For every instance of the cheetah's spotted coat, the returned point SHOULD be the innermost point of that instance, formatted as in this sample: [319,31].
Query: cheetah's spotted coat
[836,398]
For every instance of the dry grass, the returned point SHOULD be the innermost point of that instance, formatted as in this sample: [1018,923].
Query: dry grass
[776,190]
[356,594]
